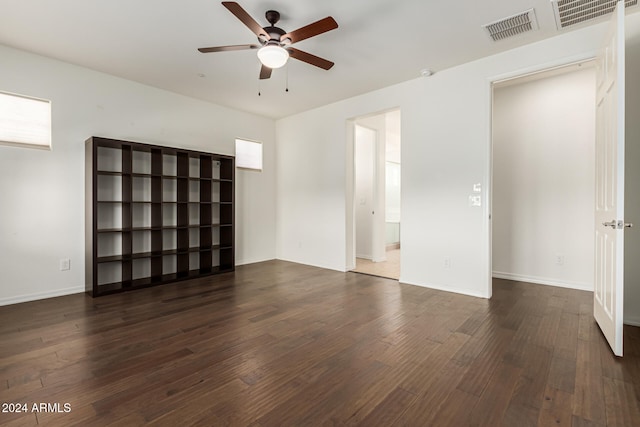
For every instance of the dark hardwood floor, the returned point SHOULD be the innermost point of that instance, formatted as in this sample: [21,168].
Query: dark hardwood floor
[281,344]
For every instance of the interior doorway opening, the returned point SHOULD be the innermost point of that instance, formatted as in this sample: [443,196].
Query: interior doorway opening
[543,174]
[376,195]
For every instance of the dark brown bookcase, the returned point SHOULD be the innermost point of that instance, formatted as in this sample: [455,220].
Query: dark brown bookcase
[155,215]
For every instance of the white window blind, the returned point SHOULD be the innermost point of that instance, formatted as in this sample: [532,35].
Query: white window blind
[25,121]
[248,154]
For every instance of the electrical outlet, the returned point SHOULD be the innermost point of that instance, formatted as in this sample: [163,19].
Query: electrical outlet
[475,200]
[447,262]
[65,264]
[559,259]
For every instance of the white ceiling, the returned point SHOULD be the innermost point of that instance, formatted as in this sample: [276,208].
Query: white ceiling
[378,43]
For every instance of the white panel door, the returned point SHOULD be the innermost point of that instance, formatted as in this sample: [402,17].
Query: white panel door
[609,210]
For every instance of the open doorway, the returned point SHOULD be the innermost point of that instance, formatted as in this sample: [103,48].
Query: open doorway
[376,195]
[543,174]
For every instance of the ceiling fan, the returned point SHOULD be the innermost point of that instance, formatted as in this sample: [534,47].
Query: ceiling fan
[275,44]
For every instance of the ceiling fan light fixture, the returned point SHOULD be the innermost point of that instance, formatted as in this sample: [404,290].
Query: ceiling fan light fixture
[273,56]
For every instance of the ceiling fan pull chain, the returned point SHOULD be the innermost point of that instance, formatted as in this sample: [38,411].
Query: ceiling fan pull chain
[259,94]
[287,74]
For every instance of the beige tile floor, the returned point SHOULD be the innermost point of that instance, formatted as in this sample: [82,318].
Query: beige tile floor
[389,268]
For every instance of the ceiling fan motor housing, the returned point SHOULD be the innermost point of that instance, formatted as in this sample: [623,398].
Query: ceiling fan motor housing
[274,34]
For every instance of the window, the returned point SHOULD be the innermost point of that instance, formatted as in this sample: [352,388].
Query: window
[25,121]
[248,154]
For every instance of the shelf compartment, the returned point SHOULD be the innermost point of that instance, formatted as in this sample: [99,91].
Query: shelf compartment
[169,240]
[141,162]
[194,261]
[215,169]
[215,191]
[194,214]
[141,215]
[205,237]
[226,192]
[226,236]
[194,238]
[182,239]
[182,164]
[182,210]
[109,159]
[169,264]
[194,167]
[206,191]
[194,191]
[141,268]
[169,190]
[169,165]
[109,215]
[226,214]
[156,215]
[182,265]
[226,258]
[109,244]
[206,166]
[182,192]
[109,188]
[141,189]
[141,241]
[215,258]
[109,273]
[169,215]
[215,236]
[205,261]
[226,169]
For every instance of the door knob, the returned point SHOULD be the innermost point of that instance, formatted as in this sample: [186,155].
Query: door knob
[628,224]
[611,224]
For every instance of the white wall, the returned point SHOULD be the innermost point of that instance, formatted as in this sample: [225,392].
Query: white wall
[445,151]
[365,157]
[42,192]
[543,179]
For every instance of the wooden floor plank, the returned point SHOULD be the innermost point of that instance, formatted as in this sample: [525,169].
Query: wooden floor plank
[622,405]
[556,409]
[389,409]
[588,398]
[278,343]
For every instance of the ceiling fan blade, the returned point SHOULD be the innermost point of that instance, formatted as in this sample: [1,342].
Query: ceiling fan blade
[309,58]
[228,48]
[318,27]
[265,72]
[246,19]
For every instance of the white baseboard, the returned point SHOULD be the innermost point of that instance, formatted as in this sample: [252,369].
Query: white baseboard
[326,267]
[41,295]
[543,281]
[372,259]
[445,288]
[252,261]
[632,321]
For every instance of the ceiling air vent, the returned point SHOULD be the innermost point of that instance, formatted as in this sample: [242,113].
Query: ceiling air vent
[512,25]
[571,12]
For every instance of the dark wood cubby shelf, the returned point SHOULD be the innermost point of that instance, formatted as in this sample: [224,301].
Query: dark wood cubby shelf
[155,215]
